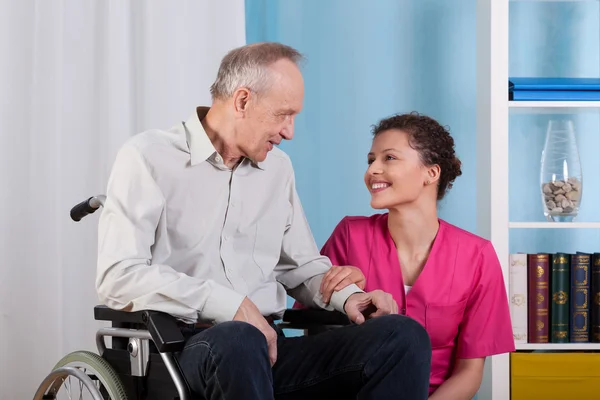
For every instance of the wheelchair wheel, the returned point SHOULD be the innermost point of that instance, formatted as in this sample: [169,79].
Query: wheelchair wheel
[82,375]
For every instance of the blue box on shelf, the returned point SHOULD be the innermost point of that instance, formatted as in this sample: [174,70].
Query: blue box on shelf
[553,89]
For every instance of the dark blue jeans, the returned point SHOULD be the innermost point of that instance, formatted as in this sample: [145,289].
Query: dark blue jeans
[387,357]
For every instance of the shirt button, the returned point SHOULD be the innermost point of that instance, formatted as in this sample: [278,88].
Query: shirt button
[225,237]
[403,311]
[218,159]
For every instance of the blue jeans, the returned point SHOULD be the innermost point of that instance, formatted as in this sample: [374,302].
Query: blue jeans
[387,357]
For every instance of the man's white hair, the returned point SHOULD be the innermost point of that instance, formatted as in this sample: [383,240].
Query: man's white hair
[247,66]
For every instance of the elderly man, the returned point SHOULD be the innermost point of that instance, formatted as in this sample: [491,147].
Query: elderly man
[202,221]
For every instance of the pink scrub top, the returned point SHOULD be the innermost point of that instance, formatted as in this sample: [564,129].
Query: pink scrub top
[459,297]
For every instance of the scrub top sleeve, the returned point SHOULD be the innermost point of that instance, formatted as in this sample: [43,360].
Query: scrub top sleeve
[486,327]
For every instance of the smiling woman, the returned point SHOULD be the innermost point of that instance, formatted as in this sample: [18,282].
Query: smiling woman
[440,275]
[424,146]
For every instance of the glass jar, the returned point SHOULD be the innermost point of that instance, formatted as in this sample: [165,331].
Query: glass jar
[561,176]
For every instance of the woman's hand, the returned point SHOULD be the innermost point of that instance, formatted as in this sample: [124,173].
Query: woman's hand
[338,277]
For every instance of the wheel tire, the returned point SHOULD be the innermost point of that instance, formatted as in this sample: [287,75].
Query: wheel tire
[101,369]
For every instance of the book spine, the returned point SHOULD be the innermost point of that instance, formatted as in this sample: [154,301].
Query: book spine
[560,288]
[595,299]
[580,296]
[538,297]
[518,296]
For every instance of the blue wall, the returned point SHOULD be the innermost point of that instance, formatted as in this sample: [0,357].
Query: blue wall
[367,60]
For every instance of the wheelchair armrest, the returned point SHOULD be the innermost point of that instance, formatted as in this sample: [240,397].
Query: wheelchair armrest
[165,332]
[163,328]
[309,318]
[103,313]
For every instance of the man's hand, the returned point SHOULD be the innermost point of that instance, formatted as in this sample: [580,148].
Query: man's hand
[369,305]
[338,277]
[248,312]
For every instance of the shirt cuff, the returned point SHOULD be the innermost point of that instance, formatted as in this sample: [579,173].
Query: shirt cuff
[221,305]
[338,299]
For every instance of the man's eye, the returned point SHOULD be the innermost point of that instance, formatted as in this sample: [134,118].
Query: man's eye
[370,161]
[388,157]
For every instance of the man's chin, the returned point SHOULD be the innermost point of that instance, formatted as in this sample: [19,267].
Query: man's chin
[262,156]
[259,157]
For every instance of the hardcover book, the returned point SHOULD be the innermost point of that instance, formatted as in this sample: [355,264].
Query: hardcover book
[580,297]
[538,297]
[518,296]
[560,278]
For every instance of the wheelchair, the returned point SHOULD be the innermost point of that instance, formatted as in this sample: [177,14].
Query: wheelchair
[141,362]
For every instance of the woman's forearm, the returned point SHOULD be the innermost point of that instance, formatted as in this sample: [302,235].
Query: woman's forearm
[464,382]
[457,387]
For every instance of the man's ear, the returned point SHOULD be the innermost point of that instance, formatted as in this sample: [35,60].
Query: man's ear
[241,98]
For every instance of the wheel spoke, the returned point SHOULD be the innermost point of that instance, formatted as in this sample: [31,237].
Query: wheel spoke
[68,386]
[81,387]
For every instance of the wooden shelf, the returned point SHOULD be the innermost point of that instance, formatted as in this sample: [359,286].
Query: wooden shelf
[554,225]
[558,346]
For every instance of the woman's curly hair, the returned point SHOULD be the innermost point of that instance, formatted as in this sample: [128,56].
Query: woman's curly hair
[431,140]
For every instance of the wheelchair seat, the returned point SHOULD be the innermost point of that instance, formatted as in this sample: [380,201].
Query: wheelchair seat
[141,363]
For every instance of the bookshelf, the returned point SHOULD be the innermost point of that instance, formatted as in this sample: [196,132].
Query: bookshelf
[493,113]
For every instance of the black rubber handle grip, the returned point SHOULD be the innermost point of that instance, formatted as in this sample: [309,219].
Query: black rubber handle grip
[81,210]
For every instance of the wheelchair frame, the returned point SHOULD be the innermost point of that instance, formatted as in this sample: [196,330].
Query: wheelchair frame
[149,330]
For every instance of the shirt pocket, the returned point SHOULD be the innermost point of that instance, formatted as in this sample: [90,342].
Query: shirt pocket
[442,322]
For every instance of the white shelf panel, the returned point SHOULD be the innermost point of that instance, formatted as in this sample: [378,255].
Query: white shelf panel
[546,107]
[553,104]
[558,346]
[554,225]
[554,1]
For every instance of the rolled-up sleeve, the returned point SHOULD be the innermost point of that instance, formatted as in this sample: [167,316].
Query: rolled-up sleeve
[301,267]
[127,278]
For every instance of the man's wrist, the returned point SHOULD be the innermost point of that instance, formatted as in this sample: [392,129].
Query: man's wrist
[222,305]
[339,298]
[346,301]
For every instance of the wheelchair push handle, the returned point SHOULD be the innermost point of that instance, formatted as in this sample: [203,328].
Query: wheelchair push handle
[86,207]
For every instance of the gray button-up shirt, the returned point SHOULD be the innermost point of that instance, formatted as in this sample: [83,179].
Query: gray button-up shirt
[184,234]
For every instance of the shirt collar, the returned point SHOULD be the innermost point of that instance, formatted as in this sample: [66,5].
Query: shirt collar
[201,148]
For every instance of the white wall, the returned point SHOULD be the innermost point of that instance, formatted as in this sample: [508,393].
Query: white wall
[77,78]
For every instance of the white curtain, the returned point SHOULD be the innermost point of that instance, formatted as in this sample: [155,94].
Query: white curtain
[77,78]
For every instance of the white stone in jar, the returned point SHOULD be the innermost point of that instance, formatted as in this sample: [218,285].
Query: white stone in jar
[561,196]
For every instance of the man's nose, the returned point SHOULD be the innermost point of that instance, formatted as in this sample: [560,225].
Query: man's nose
[288,130]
